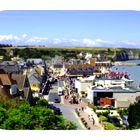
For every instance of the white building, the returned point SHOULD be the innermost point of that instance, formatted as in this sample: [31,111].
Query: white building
[109,83]
[81,84]
[88,55]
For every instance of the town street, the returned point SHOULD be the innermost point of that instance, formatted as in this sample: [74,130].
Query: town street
[53,94]
[67,111]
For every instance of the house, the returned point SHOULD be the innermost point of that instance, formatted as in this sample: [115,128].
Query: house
[16,58]
[23,86]
[81,84]
[9,67]
[5,85]
[79,69]
[88,56]
[36,61]
[15,85]
[57,66]
[37,76]
[58,69]
[40,70]
[35,82]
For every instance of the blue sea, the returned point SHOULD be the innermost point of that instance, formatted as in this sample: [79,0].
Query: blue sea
[133,71]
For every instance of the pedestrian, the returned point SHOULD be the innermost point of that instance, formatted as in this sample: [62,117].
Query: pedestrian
[82,108]
[93,121]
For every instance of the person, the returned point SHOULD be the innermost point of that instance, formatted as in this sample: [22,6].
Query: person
[93,121]
[82,108]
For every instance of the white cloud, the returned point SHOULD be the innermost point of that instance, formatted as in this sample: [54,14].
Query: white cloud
[8,37]
[128,43]
[57,41]
[24,39]
[88,42]
[24,35]
[36,40]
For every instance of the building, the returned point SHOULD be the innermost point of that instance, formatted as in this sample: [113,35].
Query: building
[122,96]
[58,69]
[23,86]
[57,66]
[88,56]
[81,84]
[5,86]
[36,61]
[15,85]
[77,70]
[35,82]
[10,67]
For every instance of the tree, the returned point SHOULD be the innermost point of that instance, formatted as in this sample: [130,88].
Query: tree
[42,102]
[134,115]
[2,114]
[23,116]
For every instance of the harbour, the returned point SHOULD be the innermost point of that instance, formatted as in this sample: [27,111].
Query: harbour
[133,70]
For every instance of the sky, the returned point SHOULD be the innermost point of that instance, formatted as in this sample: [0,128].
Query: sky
[71,28]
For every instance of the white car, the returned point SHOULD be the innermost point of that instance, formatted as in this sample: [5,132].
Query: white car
[60,91]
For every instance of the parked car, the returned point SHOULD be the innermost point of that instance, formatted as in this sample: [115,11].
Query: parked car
[60,91]
[57,111]
[114,120]
[52,80]
[57,100]
[51,106]
[125,120]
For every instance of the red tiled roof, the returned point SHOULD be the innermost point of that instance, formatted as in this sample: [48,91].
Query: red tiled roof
[20,79]
[5,79]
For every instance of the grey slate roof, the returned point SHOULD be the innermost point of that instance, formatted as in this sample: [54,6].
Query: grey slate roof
[9,67]
[34,79]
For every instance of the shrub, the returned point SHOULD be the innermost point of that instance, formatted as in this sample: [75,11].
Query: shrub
[36,99]
[109,126]
[122,112]
[42,102]
[103,113]
[103,118]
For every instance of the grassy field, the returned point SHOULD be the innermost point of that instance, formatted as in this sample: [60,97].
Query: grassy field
[48,52]
[87,49]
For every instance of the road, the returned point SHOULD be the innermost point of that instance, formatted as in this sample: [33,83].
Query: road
[69,114]
[53,94]
[67,111]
